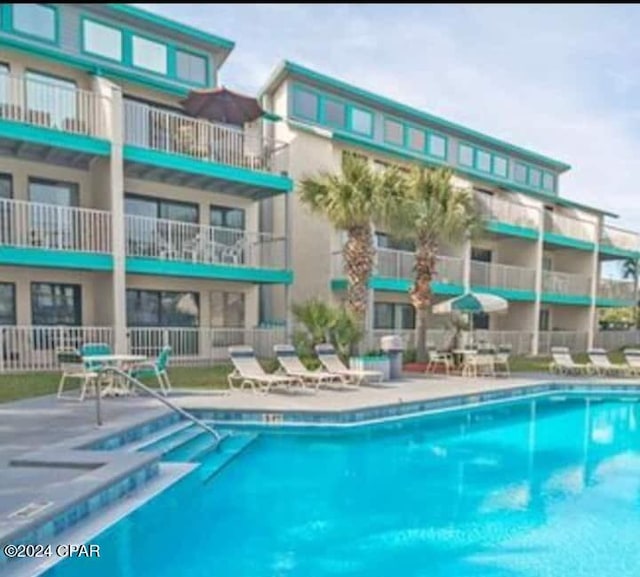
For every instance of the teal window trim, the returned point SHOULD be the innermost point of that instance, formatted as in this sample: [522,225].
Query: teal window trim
[432,133]
[148,38]
[546,173]
[540,186]
[476,160]
[322,119]
[297,89]
[507,166]
[191,52]
[83,49]
[350,108]
[425,137]
[462,145]
[403,126]
[8,17]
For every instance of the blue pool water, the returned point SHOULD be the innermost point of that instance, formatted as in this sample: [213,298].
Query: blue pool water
[543,488]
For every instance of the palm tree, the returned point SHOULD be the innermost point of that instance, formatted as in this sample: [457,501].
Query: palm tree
[352,201]
[630,271]
[430,211]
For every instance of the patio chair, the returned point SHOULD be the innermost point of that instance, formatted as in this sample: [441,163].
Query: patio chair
[95,350]
[632,356]
[601,365]
[438,359]
[478,363]
[73,367]
[501,361]
[332,363]
[292,366]
[563,364]
[157,369]
[248,372]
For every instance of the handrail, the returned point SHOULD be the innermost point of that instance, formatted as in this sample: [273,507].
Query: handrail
[218,437]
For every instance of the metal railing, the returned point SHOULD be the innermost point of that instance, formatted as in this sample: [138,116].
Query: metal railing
[170,131]
[51,104]
[202,346]
[565,283]
[576,341]
[569,226]
[32,224]
[619,238]
[218,437]
[493,275]
[492,207]
[33,348]
[198,243]
[616,289]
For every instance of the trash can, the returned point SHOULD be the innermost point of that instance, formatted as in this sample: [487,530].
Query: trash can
[393,346]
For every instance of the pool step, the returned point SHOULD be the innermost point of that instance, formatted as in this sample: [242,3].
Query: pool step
[171,442]
[214,461]
[193,449]
[159,436]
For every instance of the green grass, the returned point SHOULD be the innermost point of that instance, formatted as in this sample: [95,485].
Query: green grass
[25,385]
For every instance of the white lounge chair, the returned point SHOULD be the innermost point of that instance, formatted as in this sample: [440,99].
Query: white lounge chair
[292,366]
[601,365]
[249,372]
[73,367]
[632,356]
[332,363]
[563,363]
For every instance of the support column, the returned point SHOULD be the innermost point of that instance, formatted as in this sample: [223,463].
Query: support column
[466,266]
[595,278]
[535,341]
[288,265]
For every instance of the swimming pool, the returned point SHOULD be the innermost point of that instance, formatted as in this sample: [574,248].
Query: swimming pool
[549,487]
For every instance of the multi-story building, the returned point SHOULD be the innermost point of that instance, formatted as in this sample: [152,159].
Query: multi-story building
[542,252]
[121,217]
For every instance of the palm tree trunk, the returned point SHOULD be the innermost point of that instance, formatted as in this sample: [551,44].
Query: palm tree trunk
[358,254]
[420,293]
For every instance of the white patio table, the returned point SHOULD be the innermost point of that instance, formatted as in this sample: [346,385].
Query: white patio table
[117,386]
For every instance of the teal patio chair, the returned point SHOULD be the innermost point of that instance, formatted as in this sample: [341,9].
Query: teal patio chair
[157,369]
[95,350]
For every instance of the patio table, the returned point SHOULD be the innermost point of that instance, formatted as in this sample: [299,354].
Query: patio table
[122,362]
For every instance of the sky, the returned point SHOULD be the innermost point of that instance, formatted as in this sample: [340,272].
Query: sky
[561,80]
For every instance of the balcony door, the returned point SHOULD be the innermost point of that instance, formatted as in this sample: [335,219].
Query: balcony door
[52,225]
[484,255]
[229,234]
[51,101]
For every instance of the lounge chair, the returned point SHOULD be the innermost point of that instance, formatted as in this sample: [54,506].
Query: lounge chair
[292,366]
[332,363]
[563,364]
[601,365]
[249,372]
[73,367]
[157,369]
[632,356]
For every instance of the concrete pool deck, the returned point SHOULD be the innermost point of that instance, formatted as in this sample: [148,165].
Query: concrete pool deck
[42,440]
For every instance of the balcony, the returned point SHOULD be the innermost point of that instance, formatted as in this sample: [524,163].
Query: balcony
[34,234]
[61,124]
[510,281]
[565,288]
[159,246]
[618,242]
[173,142]
[520,220]
[569,231]
[616,290]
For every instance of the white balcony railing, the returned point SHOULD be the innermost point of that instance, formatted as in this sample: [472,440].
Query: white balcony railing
[167,131]
[617,289]
[568,226]
[618,238]
[492,275]
[193,346]
[31,224]
[174,240]
[33,348]
[566,283]
[51,104]
[492,207]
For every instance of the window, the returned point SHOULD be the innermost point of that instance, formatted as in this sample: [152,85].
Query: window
[51,100]
[544,320]
[383,316]
[335,113]
[480,254]
[53,192]
[481,321]
[101,40]
[416,139]
[361,121]
[37,20]
[149,55]
[483,161]
[535,177]
[227,217]
[148,308]
[6,186]
[520,173]
[393,132]
[227,310]
[385,241]
[56,304]
[7,303]
[52,227]
[438,146]
[4,83]
[191,67]
[160,208]
[500,166]
[465,155]
[548,182]
[305,104]
[407,317]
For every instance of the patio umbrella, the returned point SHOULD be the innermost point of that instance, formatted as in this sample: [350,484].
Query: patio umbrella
[222,105]
[472,303]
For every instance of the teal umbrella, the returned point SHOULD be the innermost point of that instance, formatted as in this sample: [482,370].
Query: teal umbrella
[472,303]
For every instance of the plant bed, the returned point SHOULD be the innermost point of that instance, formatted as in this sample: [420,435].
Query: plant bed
[421,368]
